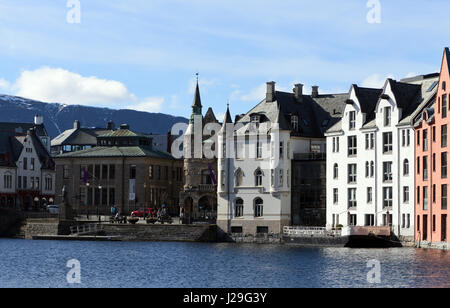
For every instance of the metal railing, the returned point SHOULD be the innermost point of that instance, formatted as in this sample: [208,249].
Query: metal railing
[86,229]
[310,232]
[207,188]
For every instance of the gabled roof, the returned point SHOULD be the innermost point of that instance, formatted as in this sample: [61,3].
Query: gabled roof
[368,98]
[315,115]
[209,117]
[81,136]
[45,159]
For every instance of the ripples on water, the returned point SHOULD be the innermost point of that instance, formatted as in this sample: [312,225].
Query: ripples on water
[162,265]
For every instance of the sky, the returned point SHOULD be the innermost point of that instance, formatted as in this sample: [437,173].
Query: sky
[144,54]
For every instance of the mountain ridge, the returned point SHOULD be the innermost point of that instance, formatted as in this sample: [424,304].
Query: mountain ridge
[60,117]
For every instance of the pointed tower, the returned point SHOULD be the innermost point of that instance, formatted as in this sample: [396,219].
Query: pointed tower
[197,104]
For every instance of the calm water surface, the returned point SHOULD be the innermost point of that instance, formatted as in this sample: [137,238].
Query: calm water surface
[160,265]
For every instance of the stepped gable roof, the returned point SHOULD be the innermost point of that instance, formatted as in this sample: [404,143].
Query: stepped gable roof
[315,115]
[45,158]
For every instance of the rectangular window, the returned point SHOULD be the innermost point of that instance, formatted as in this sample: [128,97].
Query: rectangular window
[444,136]
[387,142]
[25,163]
[444,106]
[112,172]
[352,146]
[335,196]
[150,172]
[406,194]
[104,172]
[425,168]
[369,194]
[387,116]
[425,198]
[434,133]
[66,172]
[370,220]
[32,164]
[444,196]
[387,197]
[444,165]
[352,203]
[387,171]
[19,182]
[425,140]
[132,172]
[281,180]
[352,120]
[352,173]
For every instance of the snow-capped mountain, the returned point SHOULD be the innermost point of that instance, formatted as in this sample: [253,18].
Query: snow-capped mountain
[58,117]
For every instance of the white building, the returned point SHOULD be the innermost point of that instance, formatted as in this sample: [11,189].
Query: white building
[370,161]
[258,155]
[27,171]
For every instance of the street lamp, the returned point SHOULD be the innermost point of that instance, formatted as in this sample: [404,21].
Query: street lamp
[98,213]
[87,203]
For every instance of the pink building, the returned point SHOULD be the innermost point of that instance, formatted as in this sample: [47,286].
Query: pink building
[431,175]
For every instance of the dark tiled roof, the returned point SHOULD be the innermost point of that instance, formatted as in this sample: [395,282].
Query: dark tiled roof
[209,117]
[315,115]
[368,99]
[405,94]
[22,128]
[122,133]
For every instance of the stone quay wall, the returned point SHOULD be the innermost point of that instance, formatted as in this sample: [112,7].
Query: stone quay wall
[162,233]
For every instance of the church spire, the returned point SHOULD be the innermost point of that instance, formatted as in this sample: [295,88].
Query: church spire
[197,105]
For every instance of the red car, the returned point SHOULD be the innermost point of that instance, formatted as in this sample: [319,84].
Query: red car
[141,212]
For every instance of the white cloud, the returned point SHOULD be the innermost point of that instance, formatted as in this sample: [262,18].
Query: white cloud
[57,85]
[375,81]
[151,104]
[62,86]
[4,85]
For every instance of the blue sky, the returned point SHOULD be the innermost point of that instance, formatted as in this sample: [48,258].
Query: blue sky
[143,54]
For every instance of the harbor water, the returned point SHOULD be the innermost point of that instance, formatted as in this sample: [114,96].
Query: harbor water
[194,265]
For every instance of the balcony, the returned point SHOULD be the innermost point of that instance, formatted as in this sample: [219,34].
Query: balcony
[207,188]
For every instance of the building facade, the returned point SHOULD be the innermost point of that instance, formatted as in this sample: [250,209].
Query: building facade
[198,199]
[27,172]
[123,170]
[370,161]
[431,155]
[265,159]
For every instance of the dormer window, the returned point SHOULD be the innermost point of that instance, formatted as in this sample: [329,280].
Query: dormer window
[352,120]
[255,118]
[294,122]
[387,116]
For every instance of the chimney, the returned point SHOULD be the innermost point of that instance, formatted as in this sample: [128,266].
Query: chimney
[76,124]
[270,95]
[38,120]
[315,91]
[124,126]
[110,125]
[298,92]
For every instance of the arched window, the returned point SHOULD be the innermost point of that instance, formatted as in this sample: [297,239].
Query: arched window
[238,178]
[372,169]
[259,207]
[258,177]
[239,208]
[335,171]
[405,167]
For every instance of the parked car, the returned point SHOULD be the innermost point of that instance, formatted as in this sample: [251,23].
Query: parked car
[53,209]
[141,212]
